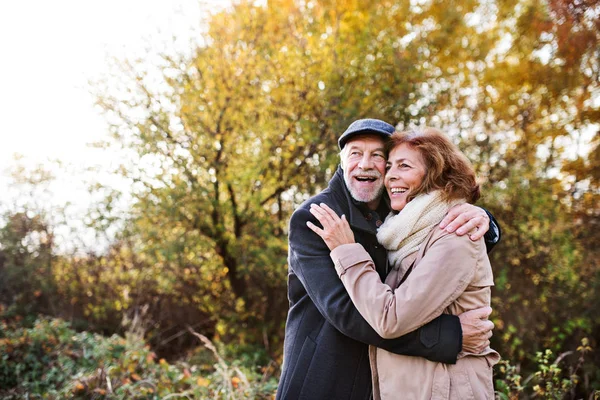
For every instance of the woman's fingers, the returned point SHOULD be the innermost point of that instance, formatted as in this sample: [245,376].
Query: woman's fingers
[315,228]
[336,231]
[327,233]
[332,214]
[317,210]
[331,222]
[324,214]
[321,215]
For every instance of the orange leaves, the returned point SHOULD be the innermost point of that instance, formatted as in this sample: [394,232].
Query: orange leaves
[135,377]
[78,388]
[150,357]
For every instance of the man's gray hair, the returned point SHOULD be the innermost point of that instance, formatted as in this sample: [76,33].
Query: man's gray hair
[343,153]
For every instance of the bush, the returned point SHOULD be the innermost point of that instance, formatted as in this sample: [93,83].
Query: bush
[555,377]
[51,361]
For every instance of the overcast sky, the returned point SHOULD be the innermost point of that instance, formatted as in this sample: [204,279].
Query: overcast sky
[50,50]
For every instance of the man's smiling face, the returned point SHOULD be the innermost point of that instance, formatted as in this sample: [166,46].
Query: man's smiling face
[363,161]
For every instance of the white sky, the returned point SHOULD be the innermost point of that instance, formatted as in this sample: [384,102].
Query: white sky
[49,51]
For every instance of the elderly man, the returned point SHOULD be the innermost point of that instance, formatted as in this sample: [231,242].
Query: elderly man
[326,339]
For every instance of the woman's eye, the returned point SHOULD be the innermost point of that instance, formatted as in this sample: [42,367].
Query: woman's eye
[405,165]
[388,167]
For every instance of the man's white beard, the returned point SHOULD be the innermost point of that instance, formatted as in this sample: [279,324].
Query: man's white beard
[362,196]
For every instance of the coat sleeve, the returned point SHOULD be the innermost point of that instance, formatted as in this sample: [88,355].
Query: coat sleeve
[494,234]
[309,259]
[439,278]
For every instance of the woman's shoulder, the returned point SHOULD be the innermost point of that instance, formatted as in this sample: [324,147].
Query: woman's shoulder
[437,234]
[456,248]
[441,238]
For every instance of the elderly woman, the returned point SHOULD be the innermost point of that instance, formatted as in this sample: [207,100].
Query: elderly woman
[433,272]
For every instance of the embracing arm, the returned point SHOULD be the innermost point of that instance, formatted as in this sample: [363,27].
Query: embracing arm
[440,340]
[477,222]
[439,278]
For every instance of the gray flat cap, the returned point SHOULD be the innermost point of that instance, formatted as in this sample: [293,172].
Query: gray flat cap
[366,126]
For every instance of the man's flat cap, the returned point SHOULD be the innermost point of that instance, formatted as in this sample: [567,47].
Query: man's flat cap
[366,126]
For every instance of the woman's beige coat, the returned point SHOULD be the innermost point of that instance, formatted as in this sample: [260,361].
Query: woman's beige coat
[451,274]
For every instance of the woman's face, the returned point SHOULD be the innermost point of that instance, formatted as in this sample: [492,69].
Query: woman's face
[405,172]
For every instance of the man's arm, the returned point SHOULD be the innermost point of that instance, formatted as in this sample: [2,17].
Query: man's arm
[494,234]
[440,340]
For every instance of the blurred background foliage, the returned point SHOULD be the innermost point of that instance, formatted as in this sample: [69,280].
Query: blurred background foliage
[225,141]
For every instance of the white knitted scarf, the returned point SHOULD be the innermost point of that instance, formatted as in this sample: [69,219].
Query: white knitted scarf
[403,233]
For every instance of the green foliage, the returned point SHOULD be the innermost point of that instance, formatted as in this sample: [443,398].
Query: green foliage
[48,356]
[550,380]
[26,283]
[51,361]
[100,290]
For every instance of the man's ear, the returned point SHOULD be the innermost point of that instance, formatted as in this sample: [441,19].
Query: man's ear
[342,155]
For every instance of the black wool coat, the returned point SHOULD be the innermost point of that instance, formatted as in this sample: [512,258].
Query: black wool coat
[326,338]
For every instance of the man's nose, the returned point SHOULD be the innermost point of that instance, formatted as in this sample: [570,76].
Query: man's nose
[366,162]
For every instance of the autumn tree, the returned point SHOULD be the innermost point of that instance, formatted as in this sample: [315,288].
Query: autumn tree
[228,139]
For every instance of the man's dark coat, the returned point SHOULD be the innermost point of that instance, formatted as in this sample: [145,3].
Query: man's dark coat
[326,339]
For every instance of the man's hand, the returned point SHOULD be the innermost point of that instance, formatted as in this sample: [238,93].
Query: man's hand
[466,218]
[476,329]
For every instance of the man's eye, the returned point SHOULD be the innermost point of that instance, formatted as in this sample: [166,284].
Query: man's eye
[378,155]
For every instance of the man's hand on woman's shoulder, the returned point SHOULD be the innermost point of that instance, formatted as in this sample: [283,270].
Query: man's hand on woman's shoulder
[466,218]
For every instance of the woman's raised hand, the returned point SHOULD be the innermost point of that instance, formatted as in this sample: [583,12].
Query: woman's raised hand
[336,231]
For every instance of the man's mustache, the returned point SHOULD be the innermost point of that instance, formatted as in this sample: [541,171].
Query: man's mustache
[365,174]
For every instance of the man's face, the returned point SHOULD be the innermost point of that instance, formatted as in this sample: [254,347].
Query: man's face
[364,168]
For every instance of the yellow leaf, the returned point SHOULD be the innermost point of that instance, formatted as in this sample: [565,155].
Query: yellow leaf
[202,382]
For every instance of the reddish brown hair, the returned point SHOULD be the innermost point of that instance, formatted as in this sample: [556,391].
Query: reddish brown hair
[447,168]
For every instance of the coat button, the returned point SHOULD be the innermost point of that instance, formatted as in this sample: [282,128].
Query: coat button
[378,223]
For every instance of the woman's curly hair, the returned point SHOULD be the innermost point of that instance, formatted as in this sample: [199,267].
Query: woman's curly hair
[447,168]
